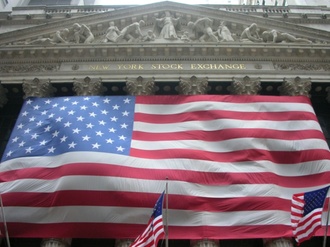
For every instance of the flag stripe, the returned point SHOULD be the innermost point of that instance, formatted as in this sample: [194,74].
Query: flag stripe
[225,114]
[221,135]
[94,170]
[280,157]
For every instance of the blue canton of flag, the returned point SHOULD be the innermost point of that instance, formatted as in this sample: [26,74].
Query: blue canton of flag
[314,199]
[52,126]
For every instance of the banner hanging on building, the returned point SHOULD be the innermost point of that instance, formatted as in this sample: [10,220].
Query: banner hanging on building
[92,167]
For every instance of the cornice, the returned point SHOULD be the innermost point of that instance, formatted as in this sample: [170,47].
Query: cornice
[234,51]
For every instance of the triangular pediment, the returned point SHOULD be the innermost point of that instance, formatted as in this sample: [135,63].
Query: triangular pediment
[150,18]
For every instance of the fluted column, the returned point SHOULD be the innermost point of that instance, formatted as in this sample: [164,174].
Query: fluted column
[137,86]
[193,86]
[37,88]
[56,242]
[140,86]
[204,243]
[245,86]
[196,86]
[278,242]
[3,96]
[296,86]
[43,88]
[87,86]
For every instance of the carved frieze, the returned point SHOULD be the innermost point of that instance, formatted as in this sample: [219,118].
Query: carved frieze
[296,86]
[245,86]
[37,88]
[24,68]
[87,86]
[193,85]
[140,86]
[309,67]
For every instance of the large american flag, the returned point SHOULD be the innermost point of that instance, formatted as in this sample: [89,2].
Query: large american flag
[92,167]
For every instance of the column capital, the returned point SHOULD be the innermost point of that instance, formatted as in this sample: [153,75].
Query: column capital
[193,85]
[37,88]
[245,86]
[88,87]
[140,86]
[278,242]
[123,242]
[56,242]
[296,86]
[204,243]
[3,96]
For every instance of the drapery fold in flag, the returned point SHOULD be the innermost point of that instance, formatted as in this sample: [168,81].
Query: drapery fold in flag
[92,167]
[306,213]
[155,228]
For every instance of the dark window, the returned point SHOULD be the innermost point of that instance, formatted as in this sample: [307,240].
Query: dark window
[49,2]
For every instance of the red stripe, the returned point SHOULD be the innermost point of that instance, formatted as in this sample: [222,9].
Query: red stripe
[118,231]
[143,200]
[228,134]
[206,178]
[173,100]
[279,157]
[223,114]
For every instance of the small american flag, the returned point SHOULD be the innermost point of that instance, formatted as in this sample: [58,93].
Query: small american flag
[306,214]
[155,229]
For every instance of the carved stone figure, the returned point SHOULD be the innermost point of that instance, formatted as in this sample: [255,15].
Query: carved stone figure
[251,34]
[150,36]
[202,29]
[166,26]
[278,37]
[111,34]
[131,33]
[185,37]
[224,33]
[82,34]
[60,36]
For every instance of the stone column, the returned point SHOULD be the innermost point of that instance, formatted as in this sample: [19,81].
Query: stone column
[137,86]
[296,86]
[88,87]
[193,86]
[290,87]
[37,88]
[204,243]
[43,88]
[140,86]
[278,242]
[3,96]
[245,86]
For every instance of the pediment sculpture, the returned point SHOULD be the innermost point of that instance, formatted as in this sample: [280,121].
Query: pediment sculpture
[167,28]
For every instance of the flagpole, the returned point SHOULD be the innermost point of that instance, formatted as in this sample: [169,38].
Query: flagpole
[166,206]
[4,222]
[326,226]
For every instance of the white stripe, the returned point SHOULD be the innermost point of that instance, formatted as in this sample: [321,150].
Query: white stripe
[233,145]
[287,170]
[166,109]
[98,183]
[222,124]
[140,216]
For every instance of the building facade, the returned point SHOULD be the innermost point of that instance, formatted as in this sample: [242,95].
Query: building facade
[116,50]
